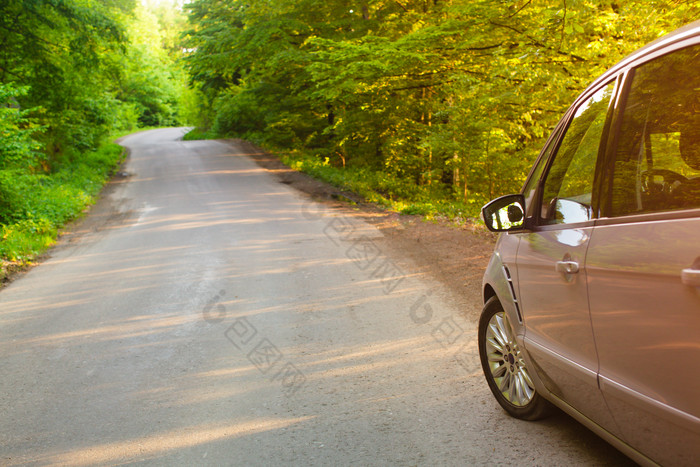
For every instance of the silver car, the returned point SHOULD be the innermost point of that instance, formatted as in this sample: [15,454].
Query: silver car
[592,296]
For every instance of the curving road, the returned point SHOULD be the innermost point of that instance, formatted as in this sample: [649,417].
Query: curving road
[205,314]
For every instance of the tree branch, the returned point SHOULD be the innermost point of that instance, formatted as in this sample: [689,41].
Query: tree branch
[521,8]
[402,7]
[538,43]
[563,27]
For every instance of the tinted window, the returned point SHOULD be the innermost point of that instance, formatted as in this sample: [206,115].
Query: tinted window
[568,188]
[657,162]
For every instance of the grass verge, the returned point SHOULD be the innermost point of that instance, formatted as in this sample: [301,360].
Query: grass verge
[391,192]
[40,204]
[197,134]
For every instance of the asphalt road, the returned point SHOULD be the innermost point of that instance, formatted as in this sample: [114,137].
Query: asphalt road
[205,314]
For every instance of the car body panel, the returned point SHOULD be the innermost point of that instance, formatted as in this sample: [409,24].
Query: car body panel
[559,335]
[646,323]
[496,277]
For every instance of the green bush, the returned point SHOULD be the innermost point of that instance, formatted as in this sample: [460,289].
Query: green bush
[34,206]
[198,134]
[24,240]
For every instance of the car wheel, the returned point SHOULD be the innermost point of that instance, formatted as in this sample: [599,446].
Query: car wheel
[504,367]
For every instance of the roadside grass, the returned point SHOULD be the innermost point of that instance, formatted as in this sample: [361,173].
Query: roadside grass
[389,191]
[198,133]
[43,203]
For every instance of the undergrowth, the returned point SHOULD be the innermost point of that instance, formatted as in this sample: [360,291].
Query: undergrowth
[36,206]
[390,191]
[197,134]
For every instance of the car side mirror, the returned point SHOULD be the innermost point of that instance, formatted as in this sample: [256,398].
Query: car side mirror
[505,214]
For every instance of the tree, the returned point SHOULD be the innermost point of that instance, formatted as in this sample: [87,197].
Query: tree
[60,52]
[455,96]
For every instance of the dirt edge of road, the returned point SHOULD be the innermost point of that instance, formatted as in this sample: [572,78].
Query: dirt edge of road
[454,254]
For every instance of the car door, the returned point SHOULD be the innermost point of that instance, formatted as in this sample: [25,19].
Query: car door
[551,259]
[643,262]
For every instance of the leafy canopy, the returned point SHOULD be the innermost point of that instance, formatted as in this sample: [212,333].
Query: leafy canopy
[454,95]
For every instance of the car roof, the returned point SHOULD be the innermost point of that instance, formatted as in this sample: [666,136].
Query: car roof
[679,35]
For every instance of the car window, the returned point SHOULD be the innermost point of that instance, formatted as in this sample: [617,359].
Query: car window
[568,187]
[657,161]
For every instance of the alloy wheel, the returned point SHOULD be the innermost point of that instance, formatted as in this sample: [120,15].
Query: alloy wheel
[506,363]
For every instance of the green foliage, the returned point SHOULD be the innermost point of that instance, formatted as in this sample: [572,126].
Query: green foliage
[385,189]
[26,239]
[73,72]
[40,204]
[59,52]
[196,134]
[93,67]
[452,99]
[151,78]
[17,148]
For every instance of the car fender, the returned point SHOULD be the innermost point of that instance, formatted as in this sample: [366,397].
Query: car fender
[500,280]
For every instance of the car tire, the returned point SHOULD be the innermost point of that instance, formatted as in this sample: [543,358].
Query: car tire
[504,367]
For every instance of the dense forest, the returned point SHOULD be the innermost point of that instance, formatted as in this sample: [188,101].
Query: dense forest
[430,106]
[440,103]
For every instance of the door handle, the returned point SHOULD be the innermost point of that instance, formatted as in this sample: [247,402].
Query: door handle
[691,277]
[567,267]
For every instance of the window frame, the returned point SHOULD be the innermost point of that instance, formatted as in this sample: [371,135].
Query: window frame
[558,135]
[625,78]
[542,161]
